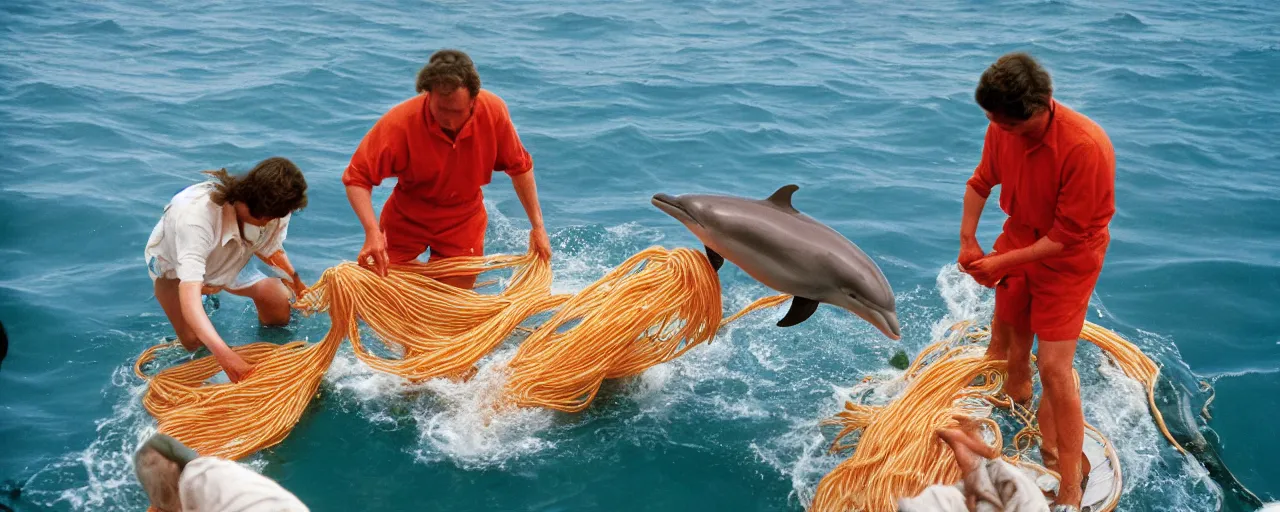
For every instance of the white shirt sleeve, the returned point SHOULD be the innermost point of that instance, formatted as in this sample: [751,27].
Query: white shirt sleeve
[192,244]
[210,484]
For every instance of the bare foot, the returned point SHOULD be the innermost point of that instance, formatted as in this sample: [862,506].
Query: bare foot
[1050,458]
[1021,395]
[1069,495]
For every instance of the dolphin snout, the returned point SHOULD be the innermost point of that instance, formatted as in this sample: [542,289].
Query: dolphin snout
[891,327]
[672,207]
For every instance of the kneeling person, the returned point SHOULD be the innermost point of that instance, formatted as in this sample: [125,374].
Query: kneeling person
[203,243]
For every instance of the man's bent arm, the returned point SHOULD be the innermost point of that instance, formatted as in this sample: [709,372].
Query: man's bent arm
[973,206]
[527,191]
[362,202]
[1043,248]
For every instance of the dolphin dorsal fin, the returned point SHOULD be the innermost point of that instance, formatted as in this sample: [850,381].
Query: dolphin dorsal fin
[782,197]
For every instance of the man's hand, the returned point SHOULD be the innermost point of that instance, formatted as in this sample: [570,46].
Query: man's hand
[988,270]
[540,243]
[375,247]
[970,252]
[236,367]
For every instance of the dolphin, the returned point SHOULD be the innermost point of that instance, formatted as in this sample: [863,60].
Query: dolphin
[789,252]
[1199,439]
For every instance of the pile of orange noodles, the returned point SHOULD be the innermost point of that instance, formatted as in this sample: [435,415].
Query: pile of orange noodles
[897,452]
[651,309]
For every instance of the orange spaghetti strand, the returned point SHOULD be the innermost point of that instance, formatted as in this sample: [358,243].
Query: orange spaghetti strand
[439,330]
[649,310]
[898,453]
[442,331]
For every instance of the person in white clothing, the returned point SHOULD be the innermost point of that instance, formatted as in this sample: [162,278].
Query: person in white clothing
[177,479]
[989,484]
[204,241]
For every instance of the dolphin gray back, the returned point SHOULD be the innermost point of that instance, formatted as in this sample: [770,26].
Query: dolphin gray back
[774,227]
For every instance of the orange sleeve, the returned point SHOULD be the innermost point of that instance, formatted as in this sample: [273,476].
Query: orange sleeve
[512,159]
[986,176]
[382,154]
[1087,181]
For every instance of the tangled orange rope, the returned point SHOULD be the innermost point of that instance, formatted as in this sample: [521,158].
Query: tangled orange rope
[898,454]
[630,320]
[234,420]
[441,331]
[437,330]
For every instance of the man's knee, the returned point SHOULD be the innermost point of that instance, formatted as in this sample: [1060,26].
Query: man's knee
[1055,371]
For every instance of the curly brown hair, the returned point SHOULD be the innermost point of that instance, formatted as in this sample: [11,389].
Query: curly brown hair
[447,70]
[1015,86]
[272,189]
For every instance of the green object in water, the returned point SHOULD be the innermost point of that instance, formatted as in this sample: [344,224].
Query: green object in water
[899,360]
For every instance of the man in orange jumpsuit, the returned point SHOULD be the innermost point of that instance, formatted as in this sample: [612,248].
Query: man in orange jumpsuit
[1056,169]
[442,146]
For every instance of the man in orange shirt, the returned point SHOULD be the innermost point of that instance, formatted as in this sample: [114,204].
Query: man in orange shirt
[442,146]
[1056,169]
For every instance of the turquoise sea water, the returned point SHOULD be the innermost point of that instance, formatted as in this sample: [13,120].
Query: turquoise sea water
[108,108]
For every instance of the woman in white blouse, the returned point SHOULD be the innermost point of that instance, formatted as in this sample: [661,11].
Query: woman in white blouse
[204,241]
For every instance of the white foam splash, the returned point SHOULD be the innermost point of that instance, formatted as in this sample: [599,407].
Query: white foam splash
[468,429]
[456,421]
[801,454]
[105,467]
[965,299]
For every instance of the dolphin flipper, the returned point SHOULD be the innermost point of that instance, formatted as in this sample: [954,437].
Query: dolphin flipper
[801,310]
[715,258]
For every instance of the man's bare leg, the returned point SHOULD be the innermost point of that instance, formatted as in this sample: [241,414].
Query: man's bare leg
[464,282]
[998,346]
[1019,386]
[1013,346]
[1063,417]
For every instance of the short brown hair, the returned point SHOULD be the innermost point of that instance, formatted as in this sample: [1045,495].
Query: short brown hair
[448,70]
[159,478]
[272,189]
[1015,86]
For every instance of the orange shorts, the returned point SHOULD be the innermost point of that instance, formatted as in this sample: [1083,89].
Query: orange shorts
[1048,298]
[450,234]
[1054,314]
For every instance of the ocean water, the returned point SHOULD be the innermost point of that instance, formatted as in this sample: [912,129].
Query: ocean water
[107,108]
